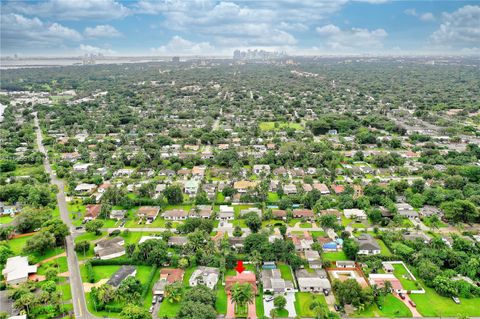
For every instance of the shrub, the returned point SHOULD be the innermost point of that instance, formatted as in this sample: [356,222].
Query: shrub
[90,272]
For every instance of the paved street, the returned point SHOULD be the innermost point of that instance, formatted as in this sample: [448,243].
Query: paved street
[78,296]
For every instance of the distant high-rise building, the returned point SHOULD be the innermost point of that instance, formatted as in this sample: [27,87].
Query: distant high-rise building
[175,59]
[257,55]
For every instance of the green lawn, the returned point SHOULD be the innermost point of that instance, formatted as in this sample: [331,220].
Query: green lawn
[59,263]
[104,272]
[303,300]
[221,302]
[431,304]
[273,197]
[5,219]
[188,274]
[334,255]
[401,273]
[391,308]
[318,233]
[286,272]
[270,126]
[66,291]
[305,225]
[168,309]
[17,244]
[259,304]
[384,249]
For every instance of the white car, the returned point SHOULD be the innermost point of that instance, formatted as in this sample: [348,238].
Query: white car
[456,300]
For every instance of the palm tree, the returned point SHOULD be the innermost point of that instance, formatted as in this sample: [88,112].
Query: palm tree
[256,259]
[273,313]
[242,294]
[173,292]
[318,308]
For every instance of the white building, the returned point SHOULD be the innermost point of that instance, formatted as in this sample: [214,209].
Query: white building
[355,213]
[17,270]
[207,276]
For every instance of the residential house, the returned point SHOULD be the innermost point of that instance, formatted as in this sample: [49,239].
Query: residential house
[207,276]
[355,213]
[236,242]
[121,274]
[418,235]
[118,214]
[177,241]
[302,243]
[368,245]
[245,277]
[81,167]
[303,213]
[191,187]
[322,188]
[226,213]
[17,270]
[175,214]
[379,281]
[244,186]
[345,264]
[313,259]
[201,211]
[92,211]
[167,276]
[258,169]
[289,189]
[149,213]
[109,248]
[315,281]
[273,282]
[279,214]
[85,189]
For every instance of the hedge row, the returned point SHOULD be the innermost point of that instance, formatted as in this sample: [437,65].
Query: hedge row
[114,262]
[90,272]
[146,287]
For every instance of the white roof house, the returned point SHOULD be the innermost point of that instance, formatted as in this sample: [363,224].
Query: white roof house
[207,276]
[17,270]
[355,213]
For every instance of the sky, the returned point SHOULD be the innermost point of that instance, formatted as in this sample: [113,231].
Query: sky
[216,28]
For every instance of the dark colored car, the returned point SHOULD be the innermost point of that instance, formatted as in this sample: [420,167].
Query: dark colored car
[412,303]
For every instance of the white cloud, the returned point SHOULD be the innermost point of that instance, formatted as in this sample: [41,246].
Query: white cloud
[426,17]
[351,40]
[459,28]
[71,9]
[180,46]
[260,23]
[20,32]
[86,48]
[102,31]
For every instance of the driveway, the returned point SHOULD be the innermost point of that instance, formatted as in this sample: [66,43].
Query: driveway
[290,306]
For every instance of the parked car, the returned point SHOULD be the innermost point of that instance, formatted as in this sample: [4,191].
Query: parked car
[151,309]
[79,227]
[412,303]
[456,300]
[402,296]
[154,300]
[337,307]
[268,299]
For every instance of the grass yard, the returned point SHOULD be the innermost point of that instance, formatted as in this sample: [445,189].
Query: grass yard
[66,291]
[401,273]
[6,219]
[303,300]
[286,272]
[431,304]
[59,263]
[188,273]
[104,272]
[391,308]
[259,304]
[383,248]
[273,197]
[168,309]
[270,126]
[305,225]
[221,302]
[17,244]
[334,255]
[318,233]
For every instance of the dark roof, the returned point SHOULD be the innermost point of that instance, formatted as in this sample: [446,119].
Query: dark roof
[120,275]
